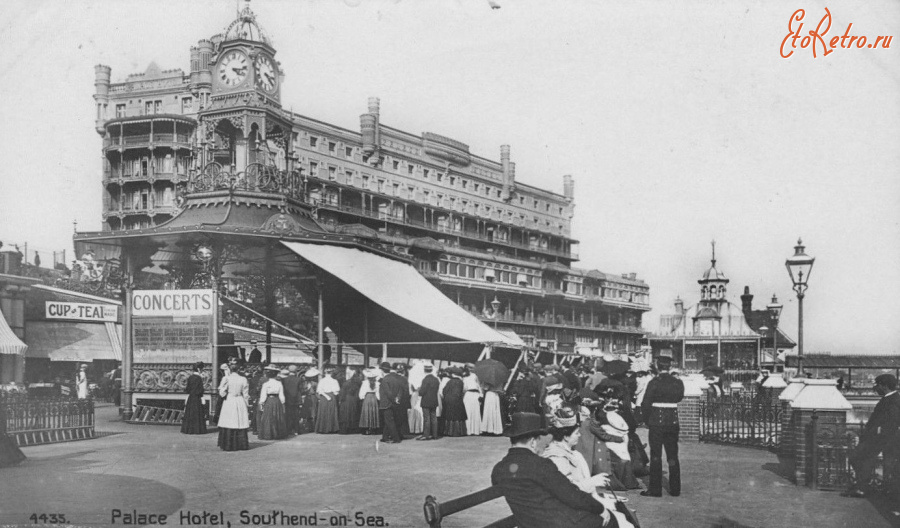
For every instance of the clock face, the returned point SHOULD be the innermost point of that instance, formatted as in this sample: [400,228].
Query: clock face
[266,76]
[233,68]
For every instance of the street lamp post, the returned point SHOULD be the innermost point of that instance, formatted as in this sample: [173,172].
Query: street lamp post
[495,307]
[775,313]
[799,267]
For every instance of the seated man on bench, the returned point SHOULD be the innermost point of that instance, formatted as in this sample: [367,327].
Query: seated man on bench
[537,493]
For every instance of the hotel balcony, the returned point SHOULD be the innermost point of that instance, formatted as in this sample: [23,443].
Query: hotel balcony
[559,321]
[436,228]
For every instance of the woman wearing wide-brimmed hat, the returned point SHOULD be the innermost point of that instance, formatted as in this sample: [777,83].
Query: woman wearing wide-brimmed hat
[368,393]
[454,409]
[327,411]
[566,432]
[194,419]
[81,382]
[272,423]
[235,420]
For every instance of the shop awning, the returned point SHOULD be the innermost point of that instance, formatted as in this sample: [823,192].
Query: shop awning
[69,341]
[9,341]
[512,337]
[389,301]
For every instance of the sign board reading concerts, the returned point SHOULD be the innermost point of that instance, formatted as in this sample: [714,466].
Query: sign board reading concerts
[173,326]
[81,311]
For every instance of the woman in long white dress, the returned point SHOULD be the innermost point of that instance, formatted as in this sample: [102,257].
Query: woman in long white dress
[81,382]
[235,420]
[472,401]
[492,417]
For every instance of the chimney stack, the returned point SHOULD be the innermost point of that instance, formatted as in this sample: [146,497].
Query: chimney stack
[747,302]
[368,124]
[569,187]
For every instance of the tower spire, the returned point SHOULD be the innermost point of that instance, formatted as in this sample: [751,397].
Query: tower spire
[713,253]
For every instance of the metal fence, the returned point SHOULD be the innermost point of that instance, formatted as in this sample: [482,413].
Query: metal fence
[742,418]
[45,421]
[831,458]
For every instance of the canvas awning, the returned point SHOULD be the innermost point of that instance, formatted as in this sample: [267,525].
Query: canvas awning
[9,341]
[70,341]
[376,299]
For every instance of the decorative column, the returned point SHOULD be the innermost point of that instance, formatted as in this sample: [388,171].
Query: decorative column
[689,408]
[787,417]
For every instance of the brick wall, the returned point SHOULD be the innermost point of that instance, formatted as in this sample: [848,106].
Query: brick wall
[689,418]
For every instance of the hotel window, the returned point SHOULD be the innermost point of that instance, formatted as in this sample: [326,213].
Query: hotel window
[452,181]
[396,190]
[473,272]
[463,270]
[442,268]
[348,151]
[331,146]
[120,110]
[560,210]
[425,173]
[465,184]
[475,187]
[521,200]
[365,182]
[380,186]
[187,104]
[499,194]
[396,165]
[453,268]
[410,168]
[313,141]
[148,108]
[547,207]
[313,168]
[535,204]
[332,173]
[487,190]
[440,177]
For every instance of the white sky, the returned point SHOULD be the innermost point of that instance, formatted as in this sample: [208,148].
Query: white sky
[678,120]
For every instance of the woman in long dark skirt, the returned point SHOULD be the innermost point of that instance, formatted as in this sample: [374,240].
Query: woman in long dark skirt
[454,410]
[272,423]
[369,420]
[194,420]
[350,408]
[309,401]
[327,410]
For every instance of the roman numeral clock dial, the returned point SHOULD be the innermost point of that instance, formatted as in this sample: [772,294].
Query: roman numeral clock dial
[233,68]
[266,74]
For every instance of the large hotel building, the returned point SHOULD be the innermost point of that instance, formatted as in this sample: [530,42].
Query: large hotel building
[501,249]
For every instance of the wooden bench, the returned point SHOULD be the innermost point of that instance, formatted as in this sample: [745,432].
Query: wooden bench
[436,511]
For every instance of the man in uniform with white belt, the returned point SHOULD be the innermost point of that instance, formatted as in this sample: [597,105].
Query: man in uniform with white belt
[660,409]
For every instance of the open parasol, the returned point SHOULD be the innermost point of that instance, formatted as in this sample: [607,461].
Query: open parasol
[491,372]
[615,367]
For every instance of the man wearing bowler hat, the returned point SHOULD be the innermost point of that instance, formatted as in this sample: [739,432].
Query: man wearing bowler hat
[881,434]
[660,407]
[390,395]
[538,494]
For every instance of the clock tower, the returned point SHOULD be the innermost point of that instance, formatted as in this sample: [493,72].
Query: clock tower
[242,123]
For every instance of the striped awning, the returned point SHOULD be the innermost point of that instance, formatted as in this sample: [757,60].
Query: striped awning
[9,341]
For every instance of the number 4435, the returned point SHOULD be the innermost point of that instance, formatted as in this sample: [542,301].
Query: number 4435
[48,518]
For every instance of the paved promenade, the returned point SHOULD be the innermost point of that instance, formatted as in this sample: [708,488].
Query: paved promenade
[156,470]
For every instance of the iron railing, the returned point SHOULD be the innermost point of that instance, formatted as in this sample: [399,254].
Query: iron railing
[743,418]
[44,421]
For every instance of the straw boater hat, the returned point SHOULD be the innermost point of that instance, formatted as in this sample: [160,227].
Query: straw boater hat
[83,366]
[428,367]
[284,373]
[564,417]
[312,373]
[292,368]
[371,373]
[272,367]
[615,424]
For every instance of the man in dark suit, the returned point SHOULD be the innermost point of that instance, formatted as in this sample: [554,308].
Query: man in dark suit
[660,406]
[881,434]
[390,394]
[537,493]
[428,392]
[291,386]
